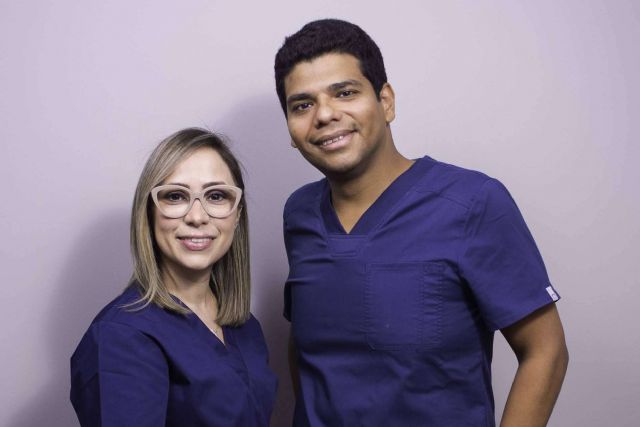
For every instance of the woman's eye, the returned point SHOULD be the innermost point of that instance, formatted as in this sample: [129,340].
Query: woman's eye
[173,196]
[216,196]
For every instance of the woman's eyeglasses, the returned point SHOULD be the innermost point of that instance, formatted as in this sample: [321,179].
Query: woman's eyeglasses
[175,201]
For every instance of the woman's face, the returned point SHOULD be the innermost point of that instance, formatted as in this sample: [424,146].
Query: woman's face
[191,245]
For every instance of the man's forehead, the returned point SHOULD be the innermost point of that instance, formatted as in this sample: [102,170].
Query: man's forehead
[322,72]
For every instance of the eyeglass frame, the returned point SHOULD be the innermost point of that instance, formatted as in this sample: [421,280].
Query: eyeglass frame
[197,195]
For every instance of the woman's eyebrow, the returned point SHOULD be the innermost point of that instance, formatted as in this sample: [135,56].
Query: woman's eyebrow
[205,185]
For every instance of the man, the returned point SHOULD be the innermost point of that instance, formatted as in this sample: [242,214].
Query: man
[401,270]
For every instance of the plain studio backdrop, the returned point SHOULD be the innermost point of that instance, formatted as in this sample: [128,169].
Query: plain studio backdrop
[542,95]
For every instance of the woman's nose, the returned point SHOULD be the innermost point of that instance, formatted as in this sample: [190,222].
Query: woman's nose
[197,214]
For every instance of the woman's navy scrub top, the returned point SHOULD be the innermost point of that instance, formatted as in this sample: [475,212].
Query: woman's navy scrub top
[393,323]
[154,367]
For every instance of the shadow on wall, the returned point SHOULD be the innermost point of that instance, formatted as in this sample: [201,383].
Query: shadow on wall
[96,270]
[260,139]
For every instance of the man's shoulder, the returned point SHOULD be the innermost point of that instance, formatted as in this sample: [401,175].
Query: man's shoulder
[304,196]
[456,183]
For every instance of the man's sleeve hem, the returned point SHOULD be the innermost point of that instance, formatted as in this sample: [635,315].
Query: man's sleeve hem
[525,311]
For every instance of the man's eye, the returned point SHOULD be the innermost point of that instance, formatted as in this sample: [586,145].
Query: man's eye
[301,107]
[346,93]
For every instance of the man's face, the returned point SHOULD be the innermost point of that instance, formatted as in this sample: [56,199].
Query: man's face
[334,117]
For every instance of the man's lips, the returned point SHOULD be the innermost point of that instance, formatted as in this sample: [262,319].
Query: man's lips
[332,138]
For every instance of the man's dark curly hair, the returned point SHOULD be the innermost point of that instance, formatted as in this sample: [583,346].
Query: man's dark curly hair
[329,36]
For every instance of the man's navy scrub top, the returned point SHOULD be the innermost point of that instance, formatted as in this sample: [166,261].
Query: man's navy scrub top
[393,323]
[157,368]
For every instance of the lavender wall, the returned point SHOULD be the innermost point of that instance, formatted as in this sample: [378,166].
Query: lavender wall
[542,95]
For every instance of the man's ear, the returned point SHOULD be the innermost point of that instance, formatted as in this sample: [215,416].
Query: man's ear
[388,101]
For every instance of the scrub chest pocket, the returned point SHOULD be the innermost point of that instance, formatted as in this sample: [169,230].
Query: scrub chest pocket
[403,303]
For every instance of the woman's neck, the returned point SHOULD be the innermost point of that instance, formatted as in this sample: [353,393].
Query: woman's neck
[192,289]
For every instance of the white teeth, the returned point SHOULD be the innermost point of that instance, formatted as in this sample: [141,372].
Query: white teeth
[331,141]
[197,240]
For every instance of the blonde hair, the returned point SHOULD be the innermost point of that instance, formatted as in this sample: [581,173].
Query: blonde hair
[231,276]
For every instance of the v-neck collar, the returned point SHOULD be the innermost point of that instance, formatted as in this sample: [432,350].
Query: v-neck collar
[203,330]
[380,207]
[229,350]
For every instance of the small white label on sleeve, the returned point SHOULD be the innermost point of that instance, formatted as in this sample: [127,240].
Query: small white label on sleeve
[552,293]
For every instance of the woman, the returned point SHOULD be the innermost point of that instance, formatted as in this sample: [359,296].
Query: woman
[179,347]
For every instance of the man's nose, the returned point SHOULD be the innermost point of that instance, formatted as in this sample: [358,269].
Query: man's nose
[326,112]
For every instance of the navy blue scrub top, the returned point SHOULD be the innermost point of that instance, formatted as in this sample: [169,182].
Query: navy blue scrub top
[394,322]
[154,367]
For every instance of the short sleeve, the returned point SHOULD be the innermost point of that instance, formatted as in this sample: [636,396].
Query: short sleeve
[500,261]
[119,377]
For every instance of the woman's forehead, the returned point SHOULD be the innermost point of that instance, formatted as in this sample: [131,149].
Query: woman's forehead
[203,166]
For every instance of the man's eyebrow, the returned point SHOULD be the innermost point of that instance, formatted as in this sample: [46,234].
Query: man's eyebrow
[341,85]
[298,97]
[334,87]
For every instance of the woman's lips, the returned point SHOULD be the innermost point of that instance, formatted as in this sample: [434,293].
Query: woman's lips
[196,243]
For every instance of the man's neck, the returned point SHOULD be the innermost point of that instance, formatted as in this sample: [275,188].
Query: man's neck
[352,197]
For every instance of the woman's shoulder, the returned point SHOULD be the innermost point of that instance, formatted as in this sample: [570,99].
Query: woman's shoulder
[250,330]
[121,323]
[129,312]
[117,339]
[121,308]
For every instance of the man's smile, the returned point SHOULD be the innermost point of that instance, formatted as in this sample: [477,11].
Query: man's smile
[334,139]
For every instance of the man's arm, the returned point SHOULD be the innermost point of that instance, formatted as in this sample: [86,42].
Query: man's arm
[539,344]
[293,367]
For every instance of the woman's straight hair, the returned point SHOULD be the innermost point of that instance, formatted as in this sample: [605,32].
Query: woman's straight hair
[231,275]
